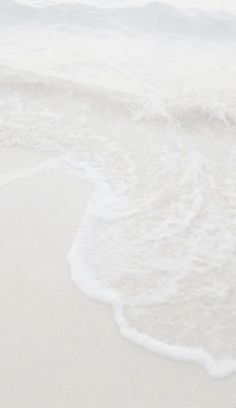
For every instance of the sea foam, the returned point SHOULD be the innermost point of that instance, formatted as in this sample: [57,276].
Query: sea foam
[140,101]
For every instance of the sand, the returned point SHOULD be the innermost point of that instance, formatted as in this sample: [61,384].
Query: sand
[59,348]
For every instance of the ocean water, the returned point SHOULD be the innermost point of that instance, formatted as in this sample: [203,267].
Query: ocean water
[139,98]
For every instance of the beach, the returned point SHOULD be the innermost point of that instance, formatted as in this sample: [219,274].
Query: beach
[58,347]
[117,204]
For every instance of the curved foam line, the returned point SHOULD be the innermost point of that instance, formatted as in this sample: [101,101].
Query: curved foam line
[220,368]
[82,277]
[92,288]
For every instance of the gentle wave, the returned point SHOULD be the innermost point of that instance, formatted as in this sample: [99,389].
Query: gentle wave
[188,110]
[149,117]
[228,6]
[151,17]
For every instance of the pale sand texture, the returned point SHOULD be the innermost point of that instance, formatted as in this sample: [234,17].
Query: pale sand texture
[59,349]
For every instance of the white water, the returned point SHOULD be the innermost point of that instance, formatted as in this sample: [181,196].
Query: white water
[141,101]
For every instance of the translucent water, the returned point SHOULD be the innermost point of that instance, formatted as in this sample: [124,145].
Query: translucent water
[141,101]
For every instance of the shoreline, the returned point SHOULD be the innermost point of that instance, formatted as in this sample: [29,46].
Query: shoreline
[56,342]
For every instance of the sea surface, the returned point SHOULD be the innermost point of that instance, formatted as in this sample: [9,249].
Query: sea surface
[139,98]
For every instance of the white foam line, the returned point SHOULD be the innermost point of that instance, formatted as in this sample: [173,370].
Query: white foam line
[80,274]
[216,368]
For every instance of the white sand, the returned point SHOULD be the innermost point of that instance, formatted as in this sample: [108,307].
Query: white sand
[57,347]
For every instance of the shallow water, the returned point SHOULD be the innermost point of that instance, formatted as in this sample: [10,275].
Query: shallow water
[139,99]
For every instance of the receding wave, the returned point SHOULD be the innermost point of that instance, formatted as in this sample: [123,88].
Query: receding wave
[148,116]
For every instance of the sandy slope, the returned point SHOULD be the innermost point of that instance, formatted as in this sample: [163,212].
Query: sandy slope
[59,349]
